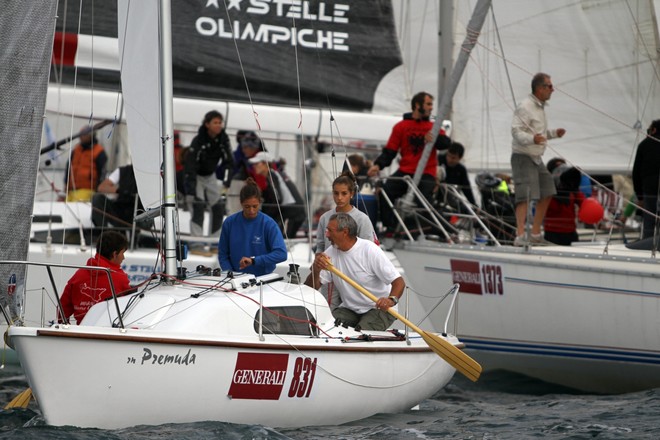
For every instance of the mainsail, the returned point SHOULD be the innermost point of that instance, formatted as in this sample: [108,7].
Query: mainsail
[26,38]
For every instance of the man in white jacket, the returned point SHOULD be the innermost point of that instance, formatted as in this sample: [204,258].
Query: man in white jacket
[530,132]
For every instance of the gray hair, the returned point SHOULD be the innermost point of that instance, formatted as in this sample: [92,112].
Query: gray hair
[345,221]
[538,80]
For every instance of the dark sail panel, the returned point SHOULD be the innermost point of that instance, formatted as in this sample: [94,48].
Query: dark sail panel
[344,49]
[23,80]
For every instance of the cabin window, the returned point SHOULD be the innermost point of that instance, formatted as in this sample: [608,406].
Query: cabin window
[287,321]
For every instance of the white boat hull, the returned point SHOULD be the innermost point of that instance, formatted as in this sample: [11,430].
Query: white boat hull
[113,380]
[192,352]
[566,315]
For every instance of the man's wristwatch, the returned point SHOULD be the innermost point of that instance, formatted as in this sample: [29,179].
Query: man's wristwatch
[252,259]
[394,299]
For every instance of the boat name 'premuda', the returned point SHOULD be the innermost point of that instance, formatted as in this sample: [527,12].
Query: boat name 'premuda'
[149,357]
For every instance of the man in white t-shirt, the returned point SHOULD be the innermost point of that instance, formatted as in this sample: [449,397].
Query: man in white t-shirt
[365,263]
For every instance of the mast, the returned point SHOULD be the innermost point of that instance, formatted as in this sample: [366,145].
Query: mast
[473,30]
[167,135]
[445,44]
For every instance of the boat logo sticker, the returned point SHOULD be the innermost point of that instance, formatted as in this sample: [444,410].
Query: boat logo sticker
[259,376]
[477,277]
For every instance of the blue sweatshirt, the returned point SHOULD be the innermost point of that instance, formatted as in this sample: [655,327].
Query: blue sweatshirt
[260,238]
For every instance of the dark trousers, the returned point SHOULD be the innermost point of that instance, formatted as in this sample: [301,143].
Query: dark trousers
[650,203]
[397,188]
[106,211]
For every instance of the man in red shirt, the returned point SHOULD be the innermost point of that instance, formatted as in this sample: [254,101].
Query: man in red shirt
[88,287]
[408,139]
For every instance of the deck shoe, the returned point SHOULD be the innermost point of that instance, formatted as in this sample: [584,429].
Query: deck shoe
[520,241]
[536,239]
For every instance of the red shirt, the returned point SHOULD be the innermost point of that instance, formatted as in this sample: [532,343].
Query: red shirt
[407,139]
[87,287]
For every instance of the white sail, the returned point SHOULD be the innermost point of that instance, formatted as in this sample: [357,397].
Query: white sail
[602,57]
[138,40]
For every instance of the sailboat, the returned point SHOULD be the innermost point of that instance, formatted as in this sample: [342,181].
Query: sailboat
[246,349]
[583,316]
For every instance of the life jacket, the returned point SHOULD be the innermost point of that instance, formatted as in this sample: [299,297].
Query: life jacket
[82,170]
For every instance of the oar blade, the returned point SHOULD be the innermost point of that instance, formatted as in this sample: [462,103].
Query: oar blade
[454,356]
[22,400]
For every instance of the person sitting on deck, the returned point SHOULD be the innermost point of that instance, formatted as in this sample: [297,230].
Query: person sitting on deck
[363,261]
[88,287]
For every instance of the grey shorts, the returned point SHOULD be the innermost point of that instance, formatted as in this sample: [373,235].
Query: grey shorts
[532,181]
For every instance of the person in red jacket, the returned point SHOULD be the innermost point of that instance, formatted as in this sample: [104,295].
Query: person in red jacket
[559,222]
[408,140]
[88,287]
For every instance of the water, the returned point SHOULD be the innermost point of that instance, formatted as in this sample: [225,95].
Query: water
[499,406]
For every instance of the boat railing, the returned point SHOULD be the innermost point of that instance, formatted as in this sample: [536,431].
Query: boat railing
[414,204]
[452,293]
[48,267]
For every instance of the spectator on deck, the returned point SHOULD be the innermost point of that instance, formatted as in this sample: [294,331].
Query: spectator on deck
[530,132]
[86,168]
[408,139]
[207,150]
[455,172]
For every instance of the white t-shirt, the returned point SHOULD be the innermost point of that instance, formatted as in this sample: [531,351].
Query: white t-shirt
[366,264]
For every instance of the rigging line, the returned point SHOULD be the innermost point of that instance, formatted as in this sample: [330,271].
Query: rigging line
[419,41]
[121,58]
[240,63]
[255,114]
[640,37]
[308,213]
[404,39]
[363,385]
[504,58]
[574,98]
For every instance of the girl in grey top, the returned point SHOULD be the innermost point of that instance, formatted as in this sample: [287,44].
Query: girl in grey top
[343,190]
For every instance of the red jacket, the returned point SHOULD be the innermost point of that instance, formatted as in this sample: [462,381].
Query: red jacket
[560,217]
[87,287]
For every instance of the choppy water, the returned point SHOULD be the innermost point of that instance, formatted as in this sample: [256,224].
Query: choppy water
[499,406]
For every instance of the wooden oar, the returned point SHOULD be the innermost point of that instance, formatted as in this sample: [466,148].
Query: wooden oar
[20,401]
[463,363]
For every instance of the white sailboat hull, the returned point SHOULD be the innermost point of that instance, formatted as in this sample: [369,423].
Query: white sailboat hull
[109,384]
[571,316]
[186,358]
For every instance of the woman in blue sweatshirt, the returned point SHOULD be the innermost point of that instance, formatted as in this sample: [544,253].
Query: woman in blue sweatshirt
[250,241]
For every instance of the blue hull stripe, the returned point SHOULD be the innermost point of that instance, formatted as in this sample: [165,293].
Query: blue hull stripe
[644,357]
